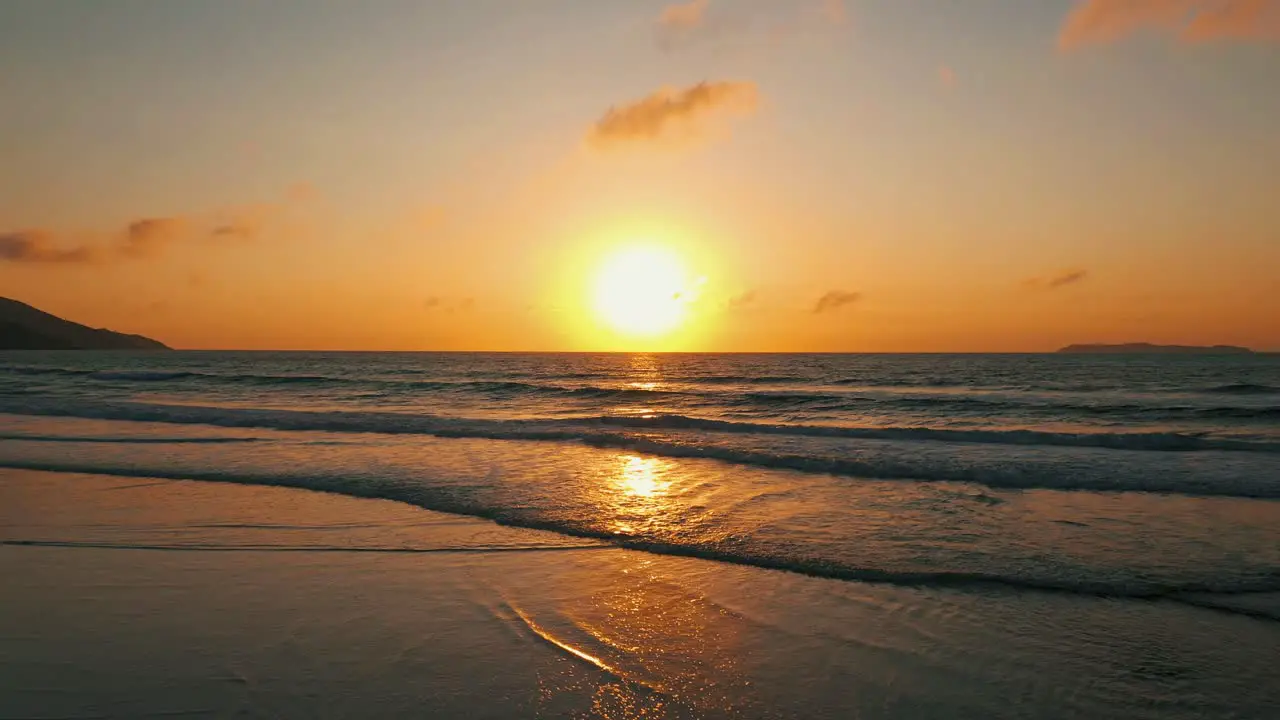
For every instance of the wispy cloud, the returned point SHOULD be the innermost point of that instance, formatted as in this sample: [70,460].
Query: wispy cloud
[746,300]
[145,237]
[1190,21]
[720,21]
[684,23]
[41,246]
[236,229]
[686,16]
[142,238]
[1059,280]
[252,221]
[657,115]
[835,300]
[449,305]
[149,237]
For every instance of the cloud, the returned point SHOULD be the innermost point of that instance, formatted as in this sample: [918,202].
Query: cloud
[1190,21]
[1059,280]
[461,305]
[240,230]
[744,301]
[1069,278]
[683,23]
[251,221]
[41,246]
[683,17]
[835,300]
[142,238]
[149,237]
[653,117]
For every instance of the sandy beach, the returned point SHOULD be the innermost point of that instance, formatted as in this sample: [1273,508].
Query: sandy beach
[128,597]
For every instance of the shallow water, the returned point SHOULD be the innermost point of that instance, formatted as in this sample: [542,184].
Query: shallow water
[134,597]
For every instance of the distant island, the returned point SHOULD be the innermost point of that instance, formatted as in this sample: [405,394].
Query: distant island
[1148,348]
[23,327]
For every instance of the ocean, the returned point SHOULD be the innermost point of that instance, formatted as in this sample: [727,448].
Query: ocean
[619,536]
[1122,476]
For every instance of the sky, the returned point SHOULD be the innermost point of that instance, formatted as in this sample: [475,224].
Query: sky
[861,176]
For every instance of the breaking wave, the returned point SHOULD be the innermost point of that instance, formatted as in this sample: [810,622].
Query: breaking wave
[690,438]
[1199,592]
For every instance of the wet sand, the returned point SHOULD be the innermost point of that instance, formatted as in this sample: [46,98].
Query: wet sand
[133,598]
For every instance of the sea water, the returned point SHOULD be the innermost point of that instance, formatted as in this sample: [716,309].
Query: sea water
[1126,476]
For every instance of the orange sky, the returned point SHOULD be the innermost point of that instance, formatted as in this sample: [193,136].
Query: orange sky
[837,176]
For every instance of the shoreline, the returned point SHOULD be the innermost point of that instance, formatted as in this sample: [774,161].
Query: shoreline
[288,602]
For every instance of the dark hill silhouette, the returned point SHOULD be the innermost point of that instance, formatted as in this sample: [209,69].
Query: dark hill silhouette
[23,327]
[1138,348]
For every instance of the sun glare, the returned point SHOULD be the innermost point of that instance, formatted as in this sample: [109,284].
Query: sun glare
[643,291]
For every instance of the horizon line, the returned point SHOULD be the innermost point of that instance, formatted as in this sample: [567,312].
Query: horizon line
[1252,351]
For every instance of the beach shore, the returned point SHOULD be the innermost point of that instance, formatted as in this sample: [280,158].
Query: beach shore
[130,597]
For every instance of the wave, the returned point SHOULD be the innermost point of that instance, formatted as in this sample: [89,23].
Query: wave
[161,376]
[1243,389]
[1226,413]
[147,376]
[209,547]
[140,376]
[907,382]
[582,428]
[991,404]
[128,439]
[746,379]
[1052,387]
[856,462]
[1122,410]
[718,390]
[792,398]
[1148,441]
[442,500]
[25,370]
[523,388]
[490,387]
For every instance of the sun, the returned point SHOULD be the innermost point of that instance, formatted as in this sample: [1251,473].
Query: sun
[643,291]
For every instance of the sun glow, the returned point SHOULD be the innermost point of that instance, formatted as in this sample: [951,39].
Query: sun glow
[643,291]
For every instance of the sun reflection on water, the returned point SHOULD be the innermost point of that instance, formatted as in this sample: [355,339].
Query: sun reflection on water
[637,492]
[639,477]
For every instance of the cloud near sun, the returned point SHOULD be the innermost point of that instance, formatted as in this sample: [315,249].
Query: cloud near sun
[670,110]
[1190,21]
[1058,280]
[835,300]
